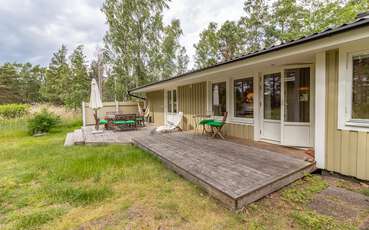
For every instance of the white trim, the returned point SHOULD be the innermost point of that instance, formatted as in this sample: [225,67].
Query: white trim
[232,117]
[84,114]
[320,109]
[345,121]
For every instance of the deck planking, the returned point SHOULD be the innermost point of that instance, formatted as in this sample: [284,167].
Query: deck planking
[235,174]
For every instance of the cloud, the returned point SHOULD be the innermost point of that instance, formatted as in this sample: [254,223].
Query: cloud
[31,30]
[195,15]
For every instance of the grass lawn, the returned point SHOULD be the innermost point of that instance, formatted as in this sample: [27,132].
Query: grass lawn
[46,186]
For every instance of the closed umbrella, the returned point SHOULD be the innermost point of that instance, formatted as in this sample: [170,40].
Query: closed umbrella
[95,101]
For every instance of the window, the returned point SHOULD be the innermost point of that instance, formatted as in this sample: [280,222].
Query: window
[172,101]
[360,87]
[244,98]
[219,98]
[272,96]
[297,95]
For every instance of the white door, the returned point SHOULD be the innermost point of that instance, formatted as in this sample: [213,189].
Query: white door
[271,107]
[297,107]
[170,107]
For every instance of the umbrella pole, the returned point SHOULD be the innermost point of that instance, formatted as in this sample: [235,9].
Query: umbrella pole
[96,120]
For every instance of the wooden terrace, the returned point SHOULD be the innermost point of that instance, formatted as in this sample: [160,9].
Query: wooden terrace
[234,173]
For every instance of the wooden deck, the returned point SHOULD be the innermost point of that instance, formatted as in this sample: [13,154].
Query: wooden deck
[236,174]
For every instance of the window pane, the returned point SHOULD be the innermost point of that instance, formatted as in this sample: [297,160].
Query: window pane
[297,95]
[244,98]
[360,87]
[219,93]
[272,96]
[169,101]
[174,101]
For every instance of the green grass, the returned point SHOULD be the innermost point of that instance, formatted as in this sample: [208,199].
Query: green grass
[44,185]
[313,221]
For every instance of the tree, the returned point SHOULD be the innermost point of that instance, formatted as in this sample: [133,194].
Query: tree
[207,48]
[287,20]
[79,80]
[57,77]
[256,25]
[221,44]
[8,84]
[174,59]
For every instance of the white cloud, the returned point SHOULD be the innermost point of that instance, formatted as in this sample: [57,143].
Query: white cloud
[195,15]
[31,30]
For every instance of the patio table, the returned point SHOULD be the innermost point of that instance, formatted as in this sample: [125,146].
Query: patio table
[198,118]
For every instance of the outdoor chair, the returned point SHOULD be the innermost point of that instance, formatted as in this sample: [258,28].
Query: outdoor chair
[173,123]
[124,122]
[140,119]
[216,126]
[204,123]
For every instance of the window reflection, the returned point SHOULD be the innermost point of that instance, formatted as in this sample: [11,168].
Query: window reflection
[244,98]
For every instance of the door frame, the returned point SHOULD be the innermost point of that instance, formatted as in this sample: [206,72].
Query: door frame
[166,113]
[283,124]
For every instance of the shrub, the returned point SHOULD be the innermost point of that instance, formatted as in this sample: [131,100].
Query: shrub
[42,122]
[8,111]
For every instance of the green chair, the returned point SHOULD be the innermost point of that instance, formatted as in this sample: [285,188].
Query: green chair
[125,121]
[204,123]
[216,126]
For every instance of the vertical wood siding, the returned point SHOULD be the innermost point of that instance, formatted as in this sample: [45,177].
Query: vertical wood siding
[192,100]
[156,101]
[347,152]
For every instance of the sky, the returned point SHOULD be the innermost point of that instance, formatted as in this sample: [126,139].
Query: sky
[31,30]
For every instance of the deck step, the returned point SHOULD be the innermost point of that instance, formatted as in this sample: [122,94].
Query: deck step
[69,140]
[79,137]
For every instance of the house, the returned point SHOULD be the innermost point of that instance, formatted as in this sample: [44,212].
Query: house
[312,92]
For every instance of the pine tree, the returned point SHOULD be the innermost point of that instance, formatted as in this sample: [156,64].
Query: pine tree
[79,80]
[57,82]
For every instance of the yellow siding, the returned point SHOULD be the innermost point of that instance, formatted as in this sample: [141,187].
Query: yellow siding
[192,100]
[156,101]
[347,151]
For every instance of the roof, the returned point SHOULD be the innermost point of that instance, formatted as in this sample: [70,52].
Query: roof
[361,21]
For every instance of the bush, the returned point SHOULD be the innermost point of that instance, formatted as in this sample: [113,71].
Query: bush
[8,111]
[42,122]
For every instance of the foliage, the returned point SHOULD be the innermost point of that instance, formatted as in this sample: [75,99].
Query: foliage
[57,76]
[303,194]
[312,220]
[20,83]
[267,24]
[365,191]
[9,111]
[79,90]
[141,49]
[42,122]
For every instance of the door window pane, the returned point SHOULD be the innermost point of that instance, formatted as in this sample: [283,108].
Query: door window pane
[297,95]
[272,96]
[360,87]
[244,98]
[219,94]
[169,101]
[174,101]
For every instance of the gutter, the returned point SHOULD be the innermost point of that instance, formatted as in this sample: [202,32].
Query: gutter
[132,95]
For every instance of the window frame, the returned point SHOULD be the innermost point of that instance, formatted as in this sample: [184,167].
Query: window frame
[170,111]
[345,91]
[211,96]
[233,118]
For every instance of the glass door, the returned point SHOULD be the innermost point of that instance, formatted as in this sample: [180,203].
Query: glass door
[296,130]
[271,124]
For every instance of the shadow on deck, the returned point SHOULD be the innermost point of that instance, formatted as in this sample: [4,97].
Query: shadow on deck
[234,173]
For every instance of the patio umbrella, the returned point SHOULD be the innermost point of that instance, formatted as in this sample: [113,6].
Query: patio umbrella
[216,95]
[95,101]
